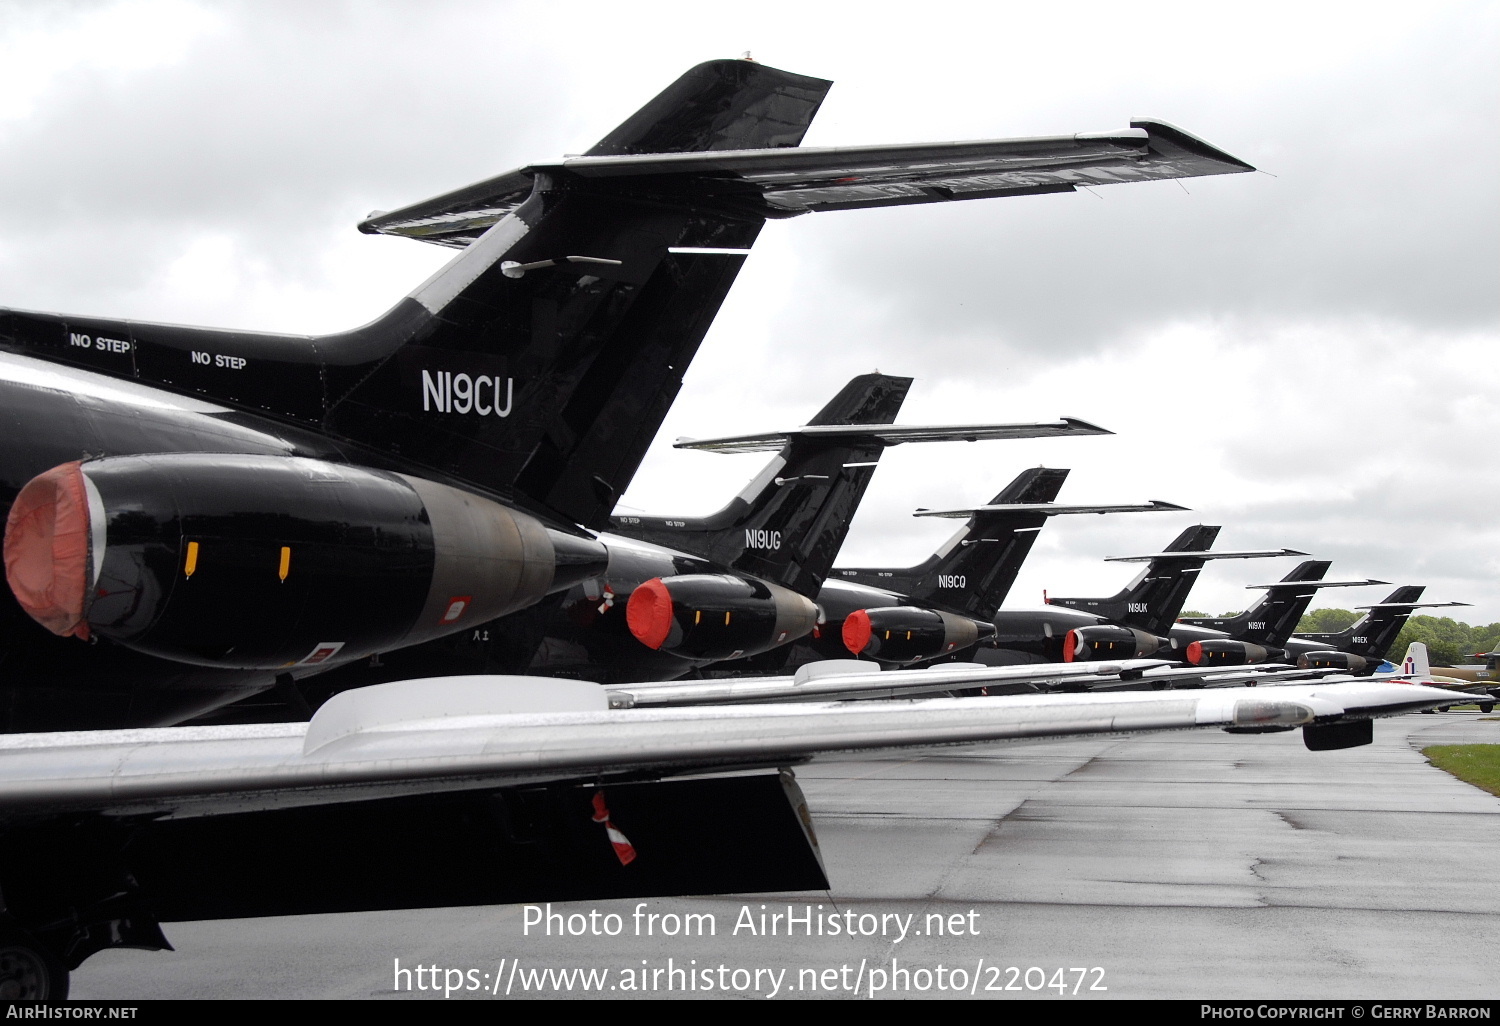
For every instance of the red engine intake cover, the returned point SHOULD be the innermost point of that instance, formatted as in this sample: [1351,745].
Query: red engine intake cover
[1195,652]
[1070,645]
[47,549]
[649,613]
[857,631]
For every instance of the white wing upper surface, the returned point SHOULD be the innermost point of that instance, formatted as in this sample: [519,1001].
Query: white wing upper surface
[449,734]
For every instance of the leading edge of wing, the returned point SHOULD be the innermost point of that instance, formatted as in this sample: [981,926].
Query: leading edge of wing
[430,736]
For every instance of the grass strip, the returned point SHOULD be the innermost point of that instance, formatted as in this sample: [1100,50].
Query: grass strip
[1474,764]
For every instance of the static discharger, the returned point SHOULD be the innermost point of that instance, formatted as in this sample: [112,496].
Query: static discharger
[191,563]
[286,563]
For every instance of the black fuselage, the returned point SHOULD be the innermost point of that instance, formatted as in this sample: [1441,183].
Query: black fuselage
[53,415]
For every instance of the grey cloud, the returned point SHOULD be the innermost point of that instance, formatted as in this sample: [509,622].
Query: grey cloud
[1382,207]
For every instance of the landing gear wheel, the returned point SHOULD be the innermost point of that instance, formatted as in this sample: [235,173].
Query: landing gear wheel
[28,971]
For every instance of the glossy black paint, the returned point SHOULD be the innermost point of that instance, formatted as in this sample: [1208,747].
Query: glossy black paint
[721,105]
[789,524]
[590,363]
[1152,601]
[972,574]
[591,360]
[899,635]
[1260,633]
[358,543]
[786,527]
[1224,652]
[52,415]
[1328,659]
[1112,641]
[969,575]
[720,616]
[1372,635]
[1370,638]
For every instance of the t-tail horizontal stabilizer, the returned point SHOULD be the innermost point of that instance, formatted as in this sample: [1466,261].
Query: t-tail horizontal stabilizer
[888,435]
[1051,509]
[788,524]
[1245,554]
[1300,585]
[782,179]
[1152,601]
[1412,605]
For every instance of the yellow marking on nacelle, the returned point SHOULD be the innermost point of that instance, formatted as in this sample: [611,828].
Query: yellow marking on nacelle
[192,560]
[286,562]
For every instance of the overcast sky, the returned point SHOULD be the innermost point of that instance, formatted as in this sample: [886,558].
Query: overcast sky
[1309,357]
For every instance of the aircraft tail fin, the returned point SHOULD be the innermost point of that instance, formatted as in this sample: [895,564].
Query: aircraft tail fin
[1273,618]
[1372,634]
[720,105]
[1152,601]
[972,572]
[538,364]
[1416,663]
[790,521]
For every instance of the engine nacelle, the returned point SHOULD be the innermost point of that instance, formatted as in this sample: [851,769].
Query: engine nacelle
[717,616]
[1108,641]
[270,562]
[908,634]
[1332,660]
[1226,653]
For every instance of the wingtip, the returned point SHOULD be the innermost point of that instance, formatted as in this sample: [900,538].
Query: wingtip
[1085,427]
[1169,132]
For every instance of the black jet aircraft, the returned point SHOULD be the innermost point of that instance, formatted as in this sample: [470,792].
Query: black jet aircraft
[1133,623]
[682,592]
[943,606]
[1263,632]
[194,513]
[1363,646]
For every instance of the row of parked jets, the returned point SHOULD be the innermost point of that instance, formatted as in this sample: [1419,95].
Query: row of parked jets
[343,622]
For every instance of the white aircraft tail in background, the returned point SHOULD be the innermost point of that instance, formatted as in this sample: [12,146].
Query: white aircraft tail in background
[1416,662]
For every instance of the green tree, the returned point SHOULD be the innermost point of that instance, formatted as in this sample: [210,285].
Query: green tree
[1326,621]
[1449,642]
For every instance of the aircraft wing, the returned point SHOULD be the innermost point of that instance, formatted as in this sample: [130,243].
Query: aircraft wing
[891,434]
[463,734]
[784,182]
[844,679]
